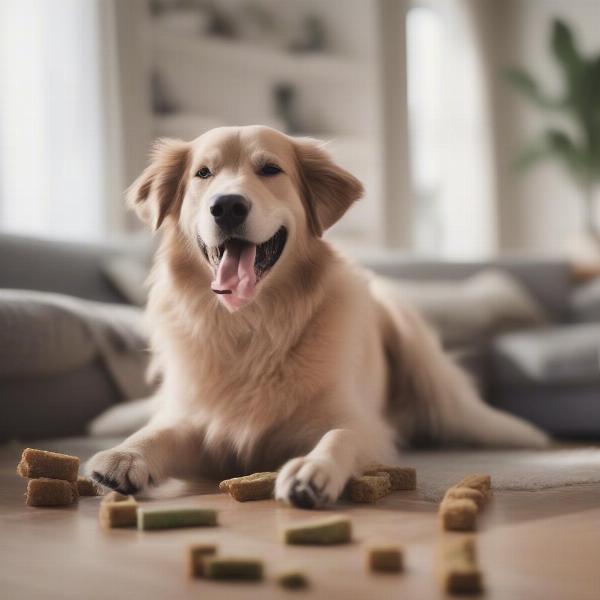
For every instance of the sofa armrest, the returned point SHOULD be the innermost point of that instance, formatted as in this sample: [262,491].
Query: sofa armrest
[69,268]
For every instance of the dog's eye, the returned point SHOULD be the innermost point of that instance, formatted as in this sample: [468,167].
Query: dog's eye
[204,173]
[269,170]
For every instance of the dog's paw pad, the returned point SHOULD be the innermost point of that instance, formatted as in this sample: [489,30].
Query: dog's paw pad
[121,470]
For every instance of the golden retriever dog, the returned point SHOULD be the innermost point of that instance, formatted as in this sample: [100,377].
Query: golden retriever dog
[273,351]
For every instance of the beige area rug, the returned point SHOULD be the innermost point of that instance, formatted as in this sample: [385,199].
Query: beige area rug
[510,469]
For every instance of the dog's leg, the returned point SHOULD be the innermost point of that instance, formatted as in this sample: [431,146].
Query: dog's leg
[319,477]
[156,452]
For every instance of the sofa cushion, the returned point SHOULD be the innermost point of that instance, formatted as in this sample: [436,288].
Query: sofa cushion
[470,311]
[568,354]
[585,302]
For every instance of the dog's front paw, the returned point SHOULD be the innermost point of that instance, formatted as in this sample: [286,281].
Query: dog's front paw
[309,482]
[125,471]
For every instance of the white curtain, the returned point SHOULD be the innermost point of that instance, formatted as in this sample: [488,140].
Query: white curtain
[57,148]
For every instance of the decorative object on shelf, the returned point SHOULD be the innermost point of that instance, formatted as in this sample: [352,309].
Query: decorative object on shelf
[219,23]
[284,96]
[256,24]
[577,148]
[161,102]
[312,37]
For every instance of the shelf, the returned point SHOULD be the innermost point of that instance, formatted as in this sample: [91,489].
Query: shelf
[261,60]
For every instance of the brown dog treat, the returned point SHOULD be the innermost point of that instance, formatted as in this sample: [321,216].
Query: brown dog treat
[458,515]
[385,558]
[258,486]
[52,465]
[401,478]
[292,580]
[44,491]
[196,554]
[86,487]
[458,571]
[114,497]
[369,488]
[460,493]
[483,483]
[118,514]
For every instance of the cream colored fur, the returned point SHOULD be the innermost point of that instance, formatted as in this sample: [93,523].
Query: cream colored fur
[317,377]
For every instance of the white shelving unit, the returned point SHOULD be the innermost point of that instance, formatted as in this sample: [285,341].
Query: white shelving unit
[214,81]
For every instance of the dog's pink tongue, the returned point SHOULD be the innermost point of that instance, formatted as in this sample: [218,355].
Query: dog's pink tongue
[236,280]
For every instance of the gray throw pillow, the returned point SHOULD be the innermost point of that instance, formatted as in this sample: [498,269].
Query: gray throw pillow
[585,302]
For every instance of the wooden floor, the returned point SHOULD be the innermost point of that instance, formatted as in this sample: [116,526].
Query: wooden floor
[532,545]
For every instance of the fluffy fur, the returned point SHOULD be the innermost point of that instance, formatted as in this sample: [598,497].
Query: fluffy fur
[317,376]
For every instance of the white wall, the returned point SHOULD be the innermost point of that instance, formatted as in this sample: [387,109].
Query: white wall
[538,210]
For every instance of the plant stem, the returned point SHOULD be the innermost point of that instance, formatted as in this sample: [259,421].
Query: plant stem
[589,214]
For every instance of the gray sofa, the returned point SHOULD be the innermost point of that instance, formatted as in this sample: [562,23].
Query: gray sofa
[521,371]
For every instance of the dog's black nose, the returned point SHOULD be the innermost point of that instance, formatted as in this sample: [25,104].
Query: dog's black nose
[229,210]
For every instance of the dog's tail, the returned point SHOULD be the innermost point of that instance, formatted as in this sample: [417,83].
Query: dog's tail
[122,419]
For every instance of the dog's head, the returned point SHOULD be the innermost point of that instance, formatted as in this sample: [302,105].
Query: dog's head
[246,197]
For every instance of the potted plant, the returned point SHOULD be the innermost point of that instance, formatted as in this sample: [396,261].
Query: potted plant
[575,145]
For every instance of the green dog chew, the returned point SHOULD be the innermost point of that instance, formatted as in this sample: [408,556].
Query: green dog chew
[168,518]
[292,580]
[369,488]
[52,465]
[401,478]
[258,486]
[248,569]
[333,530]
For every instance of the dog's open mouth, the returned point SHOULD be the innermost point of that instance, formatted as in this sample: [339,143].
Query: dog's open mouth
[239,265]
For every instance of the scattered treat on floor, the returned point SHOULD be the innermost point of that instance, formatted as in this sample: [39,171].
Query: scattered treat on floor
[86,487]
[331,530]
[258,486]
[196,554]
[168,518]
[385,558]
[52,465]
[483,483]
[118,514]
[248,569]
[460,493]
[114,497]
[292,580]
[401,478]
[458,515]
[458,571]
[44,491]
[369,488]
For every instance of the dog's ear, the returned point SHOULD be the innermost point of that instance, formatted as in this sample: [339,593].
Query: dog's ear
[326,189]
[159,190]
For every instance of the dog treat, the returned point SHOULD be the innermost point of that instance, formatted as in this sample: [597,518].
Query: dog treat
[233,568]
[460,493]
[115,497]
[118,514]
[401,478]
[385,558]
[458,515]
[332,530]
[458,571]
[86,487]
[369,488]
[483,483]
[292,580]
[44,491]
[258,486]
[167,518]
[196,555]
[52,465]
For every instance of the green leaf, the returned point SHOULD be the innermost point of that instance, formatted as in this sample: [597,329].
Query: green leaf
[527,85]
[531,155]
[563,44]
